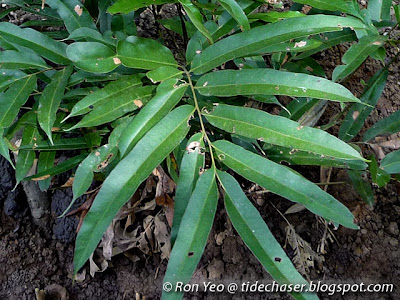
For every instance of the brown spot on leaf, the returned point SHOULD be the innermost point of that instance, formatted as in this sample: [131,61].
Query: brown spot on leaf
[78,10]
[41,177]
[138,103]
[116,60]
[355,114]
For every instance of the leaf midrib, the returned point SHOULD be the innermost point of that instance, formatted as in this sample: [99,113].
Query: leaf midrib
[305,203]
[105,211]
[284,135]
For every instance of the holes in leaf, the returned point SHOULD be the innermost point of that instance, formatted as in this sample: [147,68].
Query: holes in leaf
[278,259]
[190,254]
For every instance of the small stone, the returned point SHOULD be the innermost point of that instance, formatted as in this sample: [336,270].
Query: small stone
[394,228]
[393,242]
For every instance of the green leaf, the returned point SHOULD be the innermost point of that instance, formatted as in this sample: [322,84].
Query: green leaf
[124,23]
[332,5]
[356,55]
[271,82]
[198,41]
[255,39]
[94,162]
[45,162]
[62,144]
[126,177]
[9,76]
[298,107]
[379,10]
[51,99]
[397,12]
[73,13]
[175,25]
[196,17]
[379,176]
[388,125]
[257,236]
[110,111]
[189,171]
[358,113]
[362,187]
[50,22]
[26,158]
[18,60]
[126,6]
[284,182]
[275,16]
[167,96]
[36,41]
[90,35]
[391,162]
[293,47]
[93,57]
[83,76]
[279,154]
[193,233]
[142,53]
[123,87]
[280,131]
[58,169]
[234,9]
[329,39]
[4,151]
[164,73]
[12,100]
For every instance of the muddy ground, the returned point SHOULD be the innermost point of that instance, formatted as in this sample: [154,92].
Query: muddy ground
[33,256]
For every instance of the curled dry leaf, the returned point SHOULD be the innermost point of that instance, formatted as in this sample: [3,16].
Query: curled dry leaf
[304,255]
[94,268]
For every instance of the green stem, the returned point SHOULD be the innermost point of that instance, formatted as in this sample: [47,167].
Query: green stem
[196,104]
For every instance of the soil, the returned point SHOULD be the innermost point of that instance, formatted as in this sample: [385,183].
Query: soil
[36,257]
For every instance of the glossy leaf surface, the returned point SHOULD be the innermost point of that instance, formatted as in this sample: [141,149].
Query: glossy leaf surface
[257,236]
[271,82]
[193,233]
[284,182]
[126,177]
[189,171]
[280,131]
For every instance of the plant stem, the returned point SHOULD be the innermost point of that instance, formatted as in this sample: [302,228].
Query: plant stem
[196,104]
